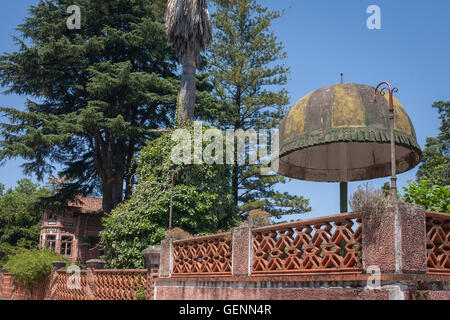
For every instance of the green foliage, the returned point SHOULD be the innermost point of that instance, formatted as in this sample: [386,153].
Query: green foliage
[436,155]
[247,78]
[31,266]
[95,92]
[177,234]
[20,217]
[140,293]
[258,218]
[202,203]
[432,197]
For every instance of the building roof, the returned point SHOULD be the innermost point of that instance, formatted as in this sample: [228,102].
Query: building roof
[87,204]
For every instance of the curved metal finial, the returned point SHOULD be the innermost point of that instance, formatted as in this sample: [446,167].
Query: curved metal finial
[382,90]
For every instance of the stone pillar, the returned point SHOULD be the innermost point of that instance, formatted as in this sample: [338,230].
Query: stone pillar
[242,254]
[96,264]
[166,258]
[395,239]
[152,257]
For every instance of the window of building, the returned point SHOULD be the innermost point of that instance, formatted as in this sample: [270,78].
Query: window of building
[51,218]
[66,246]
[50,242]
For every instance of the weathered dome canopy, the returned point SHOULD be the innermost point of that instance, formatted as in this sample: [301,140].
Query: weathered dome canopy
[339,133]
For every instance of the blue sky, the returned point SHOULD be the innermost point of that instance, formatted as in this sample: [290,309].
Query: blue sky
[323,38]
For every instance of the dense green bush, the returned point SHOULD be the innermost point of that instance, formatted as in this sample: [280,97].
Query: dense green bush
[432,197]
[202,204]
[20,217]
[31,266]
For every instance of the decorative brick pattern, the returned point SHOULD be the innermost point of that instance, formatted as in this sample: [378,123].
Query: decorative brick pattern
[60,290]
[95,285]
[103,285]
[438,242]
[203,255]
[329,244]
[111,285]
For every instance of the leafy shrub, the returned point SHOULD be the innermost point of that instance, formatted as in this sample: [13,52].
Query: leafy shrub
[177,234]
[202,204]
[425,193]
[31,266]
[369,200]
[140,293]
[258,218]
[20,217]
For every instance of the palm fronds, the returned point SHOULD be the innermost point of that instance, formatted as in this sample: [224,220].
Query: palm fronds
[188,26]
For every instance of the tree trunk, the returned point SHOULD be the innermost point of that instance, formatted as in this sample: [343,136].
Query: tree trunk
[186,100]
[107,202]
[235,183]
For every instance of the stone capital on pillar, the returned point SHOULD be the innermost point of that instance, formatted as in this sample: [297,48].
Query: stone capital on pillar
[152,256]
[395,239]
[96,264]
[242,252]
[59,265]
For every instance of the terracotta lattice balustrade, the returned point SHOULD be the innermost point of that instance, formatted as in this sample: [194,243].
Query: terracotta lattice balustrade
[203,255]
[329,244]
[100,285]
[438,242]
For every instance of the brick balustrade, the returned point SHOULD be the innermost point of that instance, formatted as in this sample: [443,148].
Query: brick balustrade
[94,285]
[331,257]
[203,255]
[329,244]
[324,258]
[438,242]
[101,285]
[323,245]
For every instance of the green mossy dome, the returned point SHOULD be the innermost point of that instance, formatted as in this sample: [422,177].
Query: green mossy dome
[339,133]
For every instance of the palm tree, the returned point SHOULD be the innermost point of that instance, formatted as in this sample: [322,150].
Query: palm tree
[57,182]
[189,29]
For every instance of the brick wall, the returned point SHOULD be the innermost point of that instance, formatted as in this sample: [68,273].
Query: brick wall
[11,290]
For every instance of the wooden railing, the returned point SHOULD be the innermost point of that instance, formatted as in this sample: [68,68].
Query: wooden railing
[438,242]
[328,244]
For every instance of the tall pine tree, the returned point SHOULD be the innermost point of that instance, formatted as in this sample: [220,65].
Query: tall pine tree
[95,93]
[436,163]
[247,77]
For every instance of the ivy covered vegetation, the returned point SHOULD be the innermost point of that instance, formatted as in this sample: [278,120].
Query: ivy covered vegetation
[202,204]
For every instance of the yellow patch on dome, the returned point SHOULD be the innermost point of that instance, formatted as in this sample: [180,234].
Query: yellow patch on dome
[295,120]
[348,108]
[401,120]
